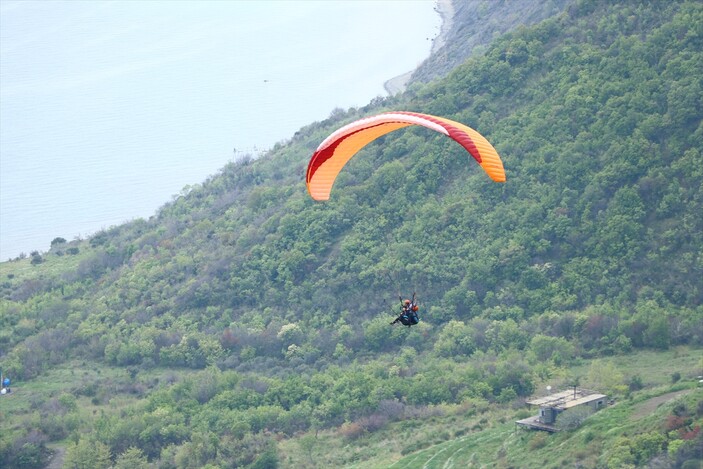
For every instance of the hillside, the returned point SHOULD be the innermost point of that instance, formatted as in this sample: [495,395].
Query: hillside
[244,319]
[467,28]
[473,25]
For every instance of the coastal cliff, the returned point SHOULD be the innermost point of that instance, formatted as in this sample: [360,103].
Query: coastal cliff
[466,26]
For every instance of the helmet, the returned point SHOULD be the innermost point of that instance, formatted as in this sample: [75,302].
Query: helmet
[407,302]
[415,307]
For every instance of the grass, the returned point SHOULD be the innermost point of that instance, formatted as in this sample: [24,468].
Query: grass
[504,445]
[467,450]
[97,388]
[14,274]
[654,367]
[460,439]
[52,264]
[465,435]
[451,441]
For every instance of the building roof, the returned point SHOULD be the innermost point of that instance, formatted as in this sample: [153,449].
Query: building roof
[551,398]
[567,399]
[582,400]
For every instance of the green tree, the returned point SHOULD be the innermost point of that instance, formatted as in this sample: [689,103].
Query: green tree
[308,442]
[548,348]
[603,376]
[454,339]
[268,459]
[87,454]
[133,458]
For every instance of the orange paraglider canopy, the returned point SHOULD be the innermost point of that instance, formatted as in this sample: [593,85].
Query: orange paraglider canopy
[334,152]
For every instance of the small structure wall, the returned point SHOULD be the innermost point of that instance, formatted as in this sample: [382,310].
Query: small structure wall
[551,406]
[548,415]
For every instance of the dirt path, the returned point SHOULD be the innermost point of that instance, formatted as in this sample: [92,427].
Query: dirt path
[56,461]
[645,408]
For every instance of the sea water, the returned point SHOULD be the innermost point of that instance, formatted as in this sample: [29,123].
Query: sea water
[108,109]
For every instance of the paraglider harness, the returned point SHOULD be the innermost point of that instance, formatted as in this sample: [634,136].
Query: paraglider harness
[408,312]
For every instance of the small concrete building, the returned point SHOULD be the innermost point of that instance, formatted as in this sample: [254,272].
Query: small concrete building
[552,405]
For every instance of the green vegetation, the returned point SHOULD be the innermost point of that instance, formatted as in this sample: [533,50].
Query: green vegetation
[245,325]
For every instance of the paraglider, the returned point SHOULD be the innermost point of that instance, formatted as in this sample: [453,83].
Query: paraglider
[408,312]
[337,149]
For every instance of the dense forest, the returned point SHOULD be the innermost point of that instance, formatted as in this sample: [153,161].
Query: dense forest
[243,315]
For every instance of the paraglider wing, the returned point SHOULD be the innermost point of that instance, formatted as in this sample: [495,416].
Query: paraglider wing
[334,152]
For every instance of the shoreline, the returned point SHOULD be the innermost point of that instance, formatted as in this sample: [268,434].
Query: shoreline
[445,8]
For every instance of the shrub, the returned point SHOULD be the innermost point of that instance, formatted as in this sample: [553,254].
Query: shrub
[58,240]
[373,422]
[351,431]
[635,383]
[391,409]
[539,440]
[267,460]
[414,447]
[674,422]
